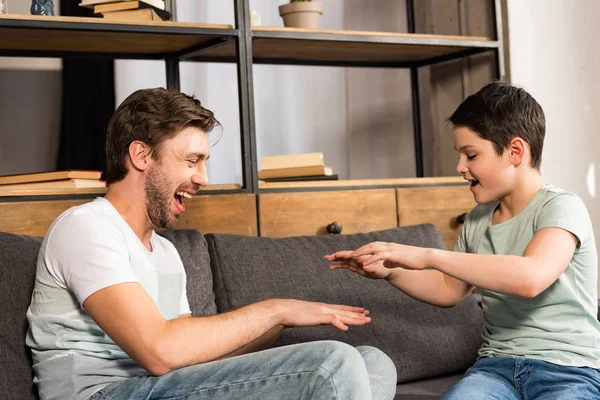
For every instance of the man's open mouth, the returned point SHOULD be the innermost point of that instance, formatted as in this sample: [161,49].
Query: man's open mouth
[180,199]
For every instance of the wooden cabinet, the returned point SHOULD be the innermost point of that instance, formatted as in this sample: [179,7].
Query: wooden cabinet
[439,205]
[224,213]
[309,213]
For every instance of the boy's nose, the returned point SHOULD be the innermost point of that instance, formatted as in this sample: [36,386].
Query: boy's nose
[461,168]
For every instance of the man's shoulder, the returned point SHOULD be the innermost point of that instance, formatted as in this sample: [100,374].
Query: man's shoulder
[83,221]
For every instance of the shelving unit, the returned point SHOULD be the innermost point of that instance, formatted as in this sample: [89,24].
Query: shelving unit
[38,36]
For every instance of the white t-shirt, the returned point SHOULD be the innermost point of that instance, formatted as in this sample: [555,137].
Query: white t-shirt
[86,249]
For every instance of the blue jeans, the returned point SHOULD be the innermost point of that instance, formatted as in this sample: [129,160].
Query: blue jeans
[519,378]
[315,370]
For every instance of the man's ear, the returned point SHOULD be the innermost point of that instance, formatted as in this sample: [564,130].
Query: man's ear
[517,149]
[139,155]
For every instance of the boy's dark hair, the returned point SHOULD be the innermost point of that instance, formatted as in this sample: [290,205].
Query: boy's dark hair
[151,116]
[498,112]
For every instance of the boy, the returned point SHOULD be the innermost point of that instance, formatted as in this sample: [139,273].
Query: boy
[529,248]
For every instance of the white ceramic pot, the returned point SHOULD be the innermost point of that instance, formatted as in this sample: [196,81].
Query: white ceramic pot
[303,14]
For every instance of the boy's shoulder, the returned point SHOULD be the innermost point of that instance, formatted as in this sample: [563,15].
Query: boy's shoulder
[554,195]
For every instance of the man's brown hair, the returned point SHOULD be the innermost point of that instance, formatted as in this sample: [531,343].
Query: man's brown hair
[151,116]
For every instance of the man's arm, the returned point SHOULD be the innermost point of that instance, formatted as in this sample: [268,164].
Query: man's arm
[127,314]
[263,342]
[543,261]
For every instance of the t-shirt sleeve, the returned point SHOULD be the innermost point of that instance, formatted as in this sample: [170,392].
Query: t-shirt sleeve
[567,211]
[184,304]
[461,243]
[86,253]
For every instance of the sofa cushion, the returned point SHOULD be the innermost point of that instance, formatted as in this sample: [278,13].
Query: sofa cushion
[424,341]
[17,275]
[193,250]
[427,389]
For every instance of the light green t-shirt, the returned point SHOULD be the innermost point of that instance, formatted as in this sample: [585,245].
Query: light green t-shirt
[560,324]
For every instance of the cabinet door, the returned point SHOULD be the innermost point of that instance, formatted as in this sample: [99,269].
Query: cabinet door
[309,213]
[221,213]
[439,205]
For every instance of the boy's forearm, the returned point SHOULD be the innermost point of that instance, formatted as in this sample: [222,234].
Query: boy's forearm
[507,274]
[430,286]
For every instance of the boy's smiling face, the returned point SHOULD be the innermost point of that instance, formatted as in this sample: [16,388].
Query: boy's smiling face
[478,162]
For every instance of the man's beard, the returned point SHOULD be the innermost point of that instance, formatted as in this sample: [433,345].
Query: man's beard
[158,199]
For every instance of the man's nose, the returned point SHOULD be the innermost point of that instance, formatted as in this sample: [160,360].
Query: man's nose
[200,178]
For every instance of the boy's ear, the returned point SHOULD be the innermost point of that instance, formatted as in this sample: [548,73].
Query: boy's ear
[517,148]
[139,155]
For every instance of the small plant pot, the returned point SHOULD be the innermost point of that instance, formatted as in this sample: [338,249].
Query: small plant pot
[303,14]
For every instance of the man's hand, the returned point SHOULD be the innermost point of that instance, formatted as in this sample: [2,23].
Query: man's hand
[305,313]
[344,260]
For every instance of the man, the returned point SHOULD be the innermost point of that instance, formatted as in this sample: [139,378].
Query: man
[109,317]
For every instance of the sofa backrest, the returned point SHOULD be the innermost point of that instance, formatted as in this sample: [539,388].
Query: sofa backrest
[18,255]
[424,341]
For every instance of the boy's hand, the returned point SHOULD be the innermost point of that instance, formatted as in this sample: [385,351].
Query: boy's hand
[344,260]
[306,313]
[392,255]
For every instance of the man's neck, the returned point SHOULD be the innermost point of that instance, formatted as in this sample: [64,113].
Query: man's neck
[132,207]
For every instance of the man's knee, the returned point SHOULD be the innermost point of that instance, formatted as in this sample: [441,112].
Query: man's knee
[382,372]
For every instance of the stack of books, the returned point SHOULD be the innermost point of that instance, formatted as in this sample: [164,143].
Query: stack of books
[295,167]
[129,10]
[70,179]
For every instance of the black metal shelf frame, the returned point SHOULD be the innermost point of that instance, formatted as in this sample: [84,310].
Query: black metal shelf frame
[243,36]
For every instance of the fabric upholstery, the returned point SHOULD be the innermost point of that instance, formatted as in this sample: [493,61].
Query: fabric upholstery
[427,389]
[18,255]
[424,341]
[193,250]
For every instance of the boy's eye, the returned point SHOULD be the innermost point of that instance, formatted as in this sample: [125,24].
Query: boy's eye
[471,157]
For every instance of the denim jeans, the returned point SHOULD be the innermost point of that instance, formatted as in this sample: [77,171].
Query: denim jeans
[316,370]
[519,378]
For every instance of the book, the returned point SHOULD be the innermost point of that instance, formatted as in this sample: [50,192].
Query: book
[333,177]
[50,176]
[61,184]
[291,161]
[159,4]
[141,14]
[311,170]
[120,6]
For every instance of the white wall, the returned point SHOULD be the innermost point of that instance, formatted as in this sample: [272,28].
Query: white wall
[555,56]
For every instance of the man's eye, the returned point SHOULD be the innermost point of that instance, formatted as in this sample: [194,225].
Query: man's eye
[194,162]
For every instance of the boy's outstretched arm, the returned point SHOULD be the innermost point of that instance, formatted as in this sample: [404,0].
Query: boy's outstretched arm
[543,261]
[429,286]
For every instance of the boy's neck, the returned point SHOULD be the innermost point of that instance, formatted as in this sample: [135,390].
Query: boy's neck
[521,194]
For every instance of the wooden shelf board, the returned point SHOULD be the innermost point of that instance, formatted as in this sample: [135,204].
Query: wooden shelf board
[278,29]
[273,45]
[452,180]
[96,35]
[99,191]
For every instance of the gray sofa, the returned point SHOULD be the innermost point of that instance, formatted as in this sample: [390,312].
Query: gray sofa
[430,346]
